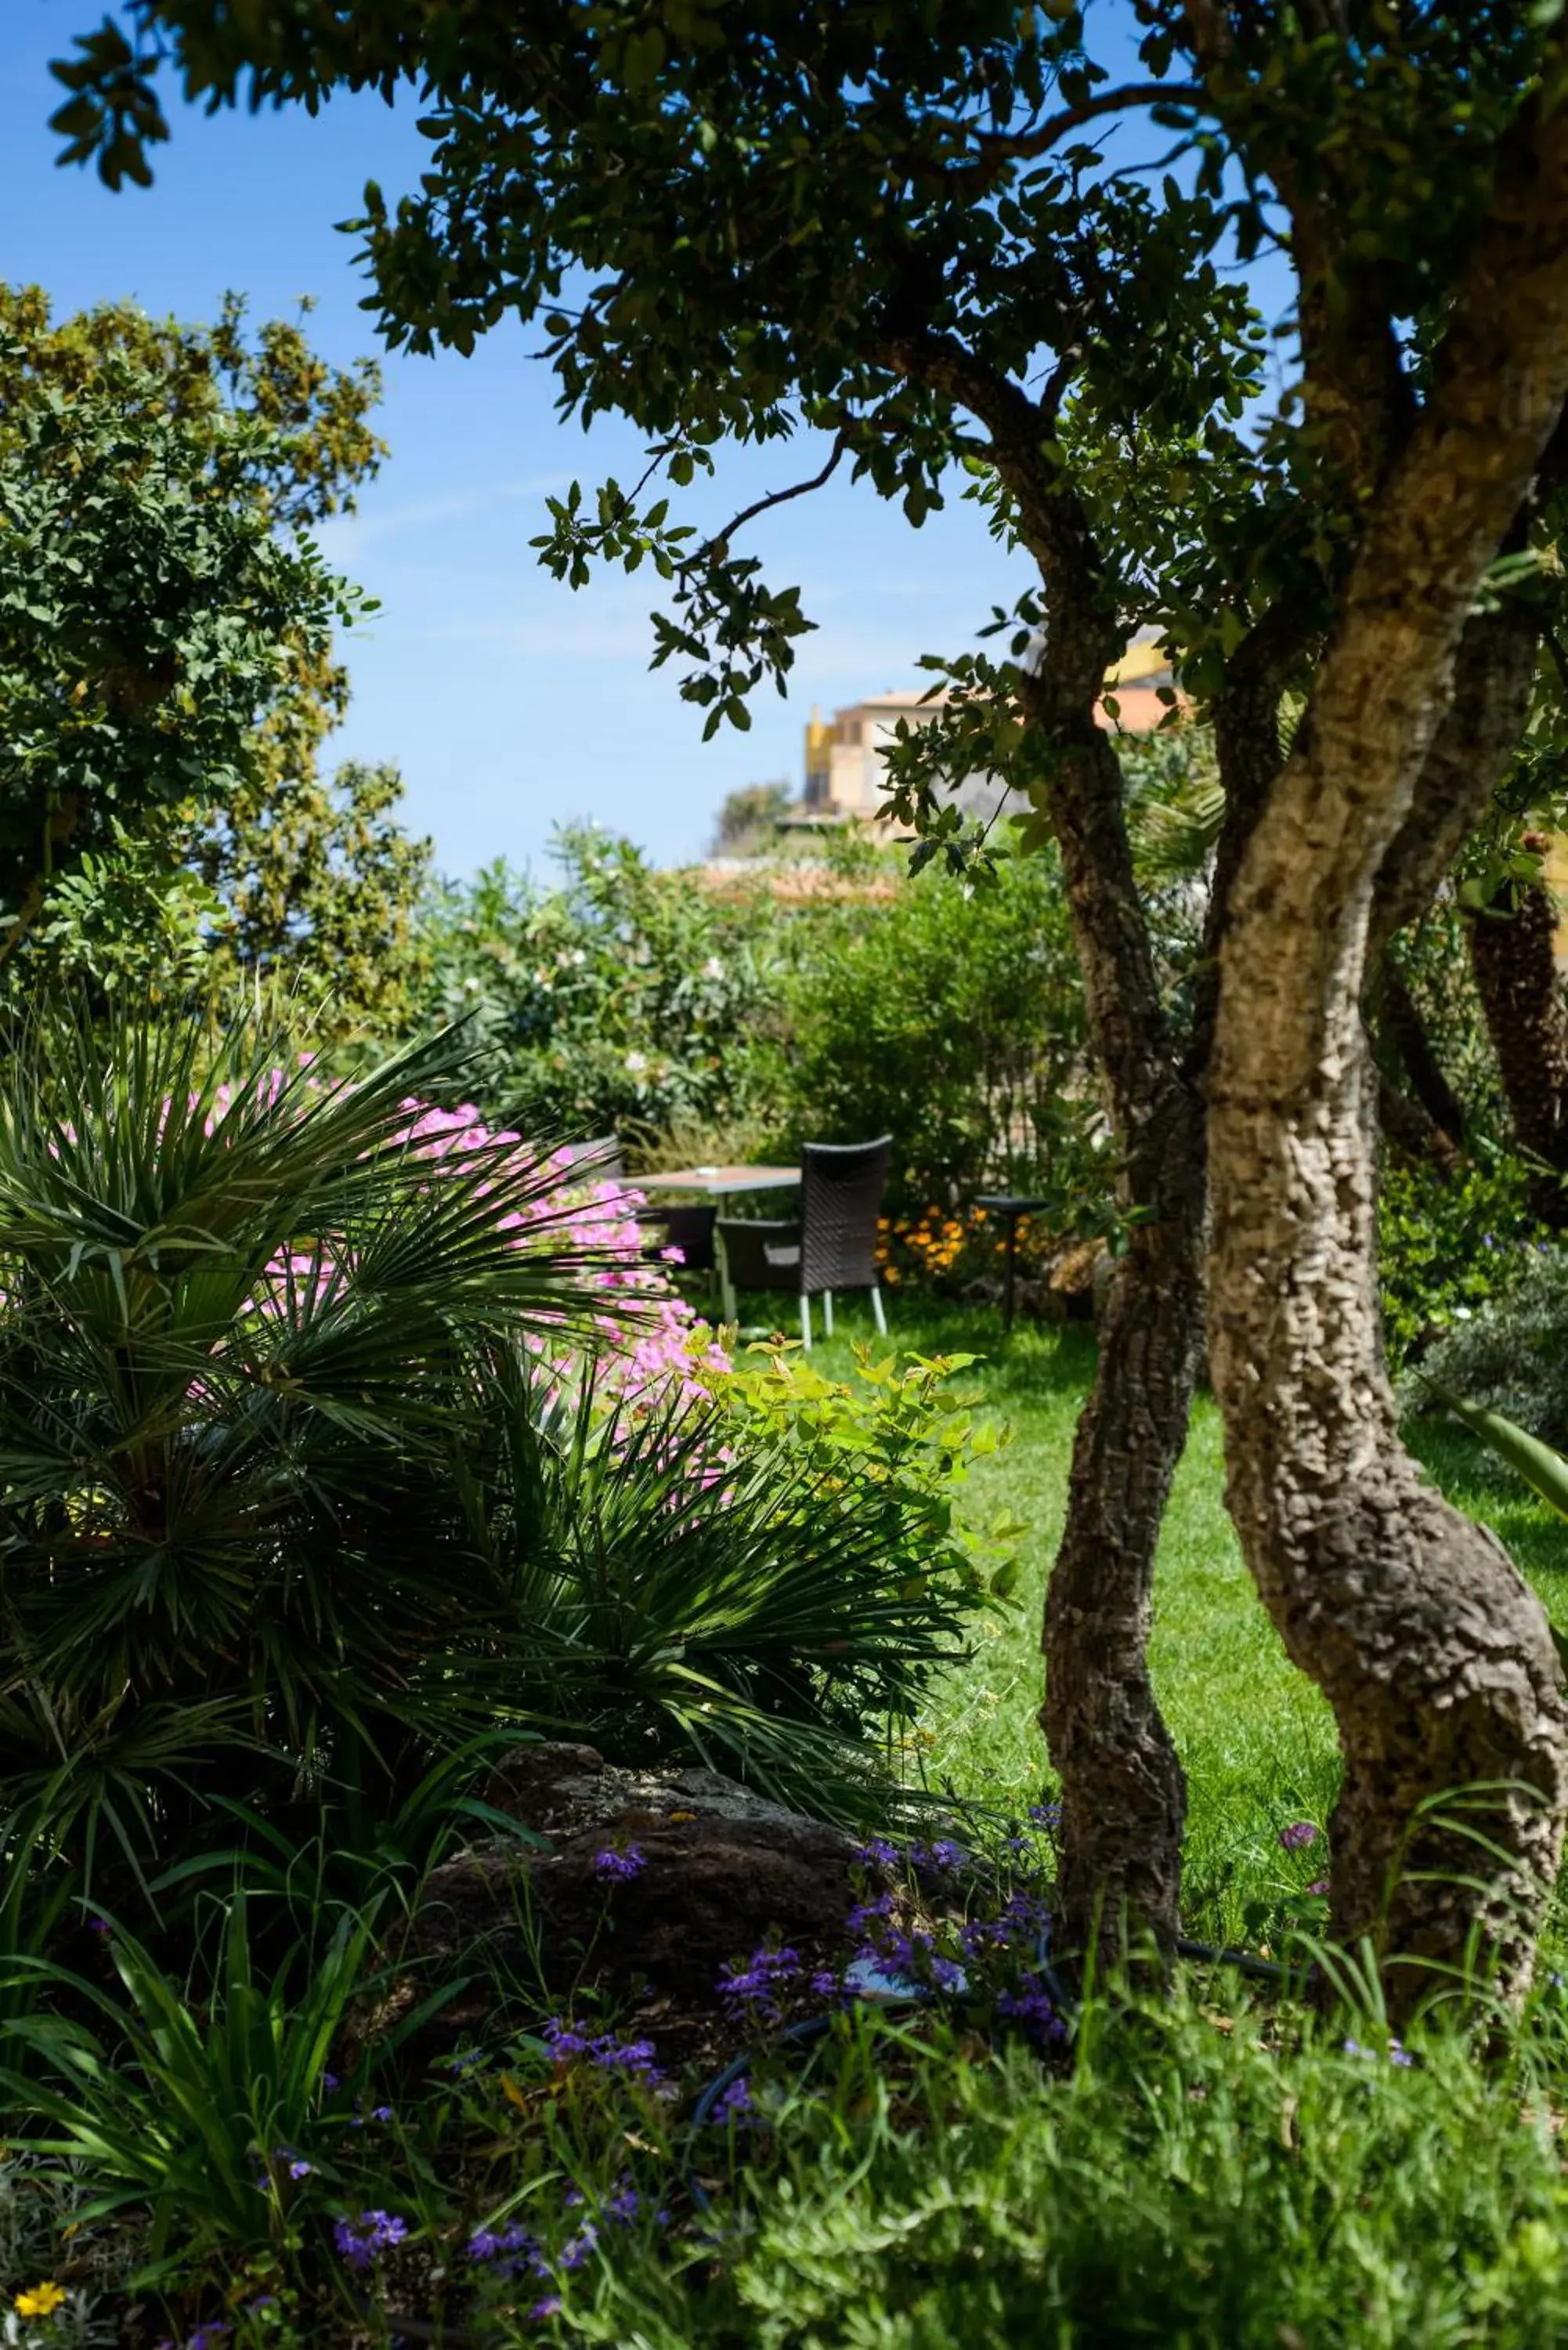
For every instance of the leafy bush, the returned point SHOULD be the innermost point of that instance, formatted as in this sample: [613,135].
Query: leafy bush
[241,1335]
[618,1002]
[907,1434]
[1511,1355]
[1238,2188]
[770,1578]
[1447,1246]
[800,1004]
[1197,2167]
[952,1018]
[337,1438]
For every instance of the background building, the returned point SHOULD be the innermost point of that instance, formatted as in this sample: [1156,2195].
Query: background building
[844,755]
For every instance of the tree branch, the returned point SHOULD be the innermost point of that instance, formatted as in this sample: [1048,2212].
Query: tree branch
[720,543]
[999,147]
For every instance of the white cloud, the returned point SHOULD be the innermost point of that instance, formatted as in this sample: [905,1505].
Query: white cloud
[345,536]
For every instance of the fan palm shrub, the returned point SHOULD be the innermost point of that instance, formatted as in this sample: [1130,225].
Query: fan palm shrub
[686,1577]
[313,1476]
[240,1309]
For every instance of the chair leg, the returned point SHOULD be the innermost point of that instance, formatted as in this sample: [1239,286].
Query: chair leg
[877,1316]
[722,1274]
[828,1310]
[805,1321]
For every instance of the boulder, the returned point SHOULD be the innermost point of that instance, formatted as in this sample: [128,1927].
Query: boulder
[721,1870]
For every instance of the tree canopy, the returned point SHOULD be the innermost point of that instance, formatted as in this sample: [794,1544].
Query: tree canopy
[172,676]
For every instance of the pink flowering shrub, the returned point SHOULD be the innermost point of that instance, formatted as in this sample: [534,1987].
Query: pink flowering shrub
[653,1346]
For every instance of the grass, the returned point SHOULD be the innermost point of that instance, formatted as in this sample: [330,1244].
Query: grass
[1255,1738]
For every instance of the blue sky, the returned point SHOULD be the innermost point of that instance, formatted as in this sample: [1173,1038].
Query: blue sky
[509,702]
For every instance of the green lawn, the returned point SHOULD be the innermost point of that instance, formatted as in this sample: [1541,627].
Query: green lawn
[1255,1738]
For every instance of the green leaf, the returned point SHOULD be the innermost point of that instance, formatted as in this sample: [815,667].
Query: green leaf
[1543,1469]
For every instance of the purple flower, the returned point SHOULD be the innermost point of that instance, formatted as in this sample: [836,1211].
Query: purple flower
[511,2249]
[758,1983]
[206,2336]
[464,2062]
[362,2239]
[549,2307]
[1397,2054]
[1032,2008]
[617,1866]
[1047,1816]
[566,2040]
[1298,1836]
[1318,1886]
[578,2247]
[734,2104]
[826,1984]
[878,1853]
[330,2081]
[297,2166]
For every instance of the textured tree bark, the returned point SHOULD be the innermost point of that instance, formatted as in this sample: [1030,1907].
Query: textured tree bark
[1437,1659]
[1124,1795]
[1516,978]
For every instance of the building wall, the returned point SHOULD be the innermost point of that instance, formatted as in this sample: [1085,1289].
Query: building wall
[844,755]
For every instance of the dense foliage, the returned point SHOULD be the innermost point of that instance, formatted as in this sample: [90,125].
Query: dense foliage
[149,608]
[794,1003]
[170,674]
[617,1001]
[338,1434]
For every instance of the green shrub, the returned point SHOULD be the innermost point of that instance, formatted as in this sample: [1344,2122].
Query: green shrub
[1511,1355]
[770,1579]
[623,999]
[1447,1246]
[244,1320]
[1218,2178]
[312,1479]
[952,1017]
[692,1020]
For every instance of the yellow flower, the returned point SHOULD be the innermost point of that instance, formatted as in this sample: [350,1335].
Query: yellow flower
[39,2300]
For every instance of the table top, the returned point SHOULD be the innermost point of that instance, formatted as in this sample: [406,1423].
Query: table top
[718,1182]
[1008,1203]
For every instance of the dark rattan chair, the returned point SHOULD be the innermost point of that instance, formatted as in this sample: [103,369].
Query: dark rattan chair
[687,1227]
[833,1245]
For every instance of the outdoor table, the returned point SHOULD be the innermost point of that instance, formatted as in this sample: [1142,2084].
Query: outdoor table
[723,1184]
[1010,1206]
[719,1182]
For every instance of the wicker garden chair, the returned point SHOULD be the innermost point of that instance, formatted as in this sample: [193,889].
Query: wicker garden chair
[687,1226]
[832,1246]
